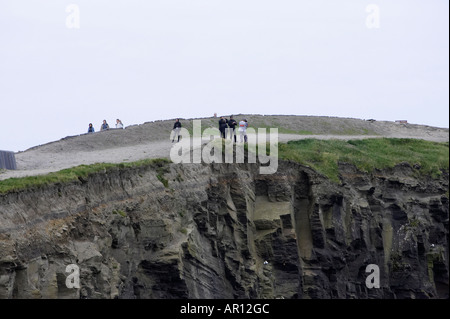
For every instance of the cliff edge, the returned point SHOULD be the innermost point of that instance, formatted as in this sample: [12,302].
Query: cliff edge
[225,231]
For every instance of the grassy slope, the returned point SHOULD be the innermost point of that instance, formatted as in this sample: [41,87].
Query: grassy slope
[368,154]
[75,173]
[321,155]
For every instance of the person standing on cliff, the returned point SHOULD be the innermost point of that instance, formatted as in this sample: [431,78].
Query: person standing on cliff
[119,124]
[176,130]
[223,127]
[232,124]
[243,130]
[105,126]
[91,128]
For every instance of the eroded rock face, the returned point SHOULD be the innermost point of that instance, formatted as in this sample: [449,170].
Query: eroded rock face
[224,231]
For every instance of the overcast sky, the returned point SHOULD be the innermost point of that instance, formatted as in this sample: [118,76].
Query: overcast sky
[150,60]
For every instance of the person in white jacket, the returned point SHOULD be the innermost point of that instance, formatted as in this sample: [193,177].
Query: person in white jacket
[243,130]
[119,124]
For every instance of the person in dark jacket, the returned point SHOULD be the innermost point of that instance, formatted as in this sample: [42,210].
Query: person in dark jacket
[176,130]
[223,127]
[232,124]
[105,126]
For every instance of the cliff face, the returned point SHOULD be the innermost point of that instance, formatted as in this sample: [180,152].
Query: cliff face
[224,231]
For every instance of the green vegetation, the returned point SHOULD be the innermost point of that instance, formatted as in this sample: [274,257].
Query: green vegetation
[427,158]
[397,263]
[78,173]
[162,169]
[414,223]
[368,154]
[119,212]
[178,178]
[163,180]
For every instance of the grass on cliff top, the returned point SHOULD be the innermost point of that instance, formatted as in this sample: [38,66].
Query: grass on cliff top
[321,155]
[73,174]
[367,154]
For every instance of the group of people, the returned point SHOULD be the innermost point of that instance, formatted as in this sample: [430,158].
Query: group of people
[229,125]
[105,126]
[225,125]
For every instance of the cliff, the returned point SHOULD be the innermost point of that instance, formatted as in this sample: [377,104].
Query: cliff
[225,231]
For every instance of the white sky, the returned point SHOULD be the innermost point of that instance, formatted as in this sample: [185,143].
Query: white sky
[150,60]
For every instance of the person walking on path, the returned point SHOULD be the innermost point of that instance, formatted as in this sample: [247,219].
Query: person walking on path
[243,130]
[105,126]
[91,128]
[223,127]
[232,124]
[176,130]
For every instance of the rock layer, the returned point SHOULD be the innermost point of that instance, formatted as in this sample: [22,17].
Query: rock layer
[225,231]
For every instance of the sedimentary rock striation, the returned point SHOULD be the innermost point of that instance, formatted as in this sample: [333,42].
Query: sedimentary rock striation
[225,231]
